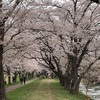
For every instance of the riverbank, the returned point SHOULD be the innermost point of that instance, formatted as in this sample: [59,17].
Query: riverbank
[93,91]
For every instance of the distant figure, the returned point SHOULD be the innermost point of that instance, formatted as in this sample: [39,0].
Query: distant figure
[13,79]
[24,79]
[21,80]
[46,75]
[5,82]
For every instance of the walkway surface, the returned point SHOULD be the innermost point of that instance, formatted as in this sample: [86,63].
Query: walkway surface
[13,87]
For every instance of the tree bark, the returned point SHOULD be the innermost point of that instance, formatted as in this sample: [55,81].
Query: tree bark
[60,77]
[74,81]
[67,81]
[74,87]
[2,83]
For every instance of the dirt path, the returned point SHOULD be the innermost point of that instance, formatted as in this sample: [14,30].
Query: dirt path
[11,88]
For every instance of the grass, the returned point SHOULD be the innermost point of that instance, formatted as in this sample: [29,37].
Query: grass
[43,89]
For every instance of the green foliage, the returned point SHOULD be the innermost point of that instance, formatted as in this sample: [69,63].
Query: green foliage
[43,89]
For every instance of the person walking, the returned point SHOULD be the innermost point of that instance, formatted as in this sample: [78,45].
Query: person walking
[24,79]
[13,79]
[21,80]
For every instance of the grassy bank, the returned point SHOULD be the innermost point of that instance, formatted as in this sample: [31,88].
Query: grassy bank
[44,89]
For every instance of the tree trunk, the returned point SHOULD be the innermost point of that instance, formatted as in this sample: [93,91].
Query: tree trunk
[67,81]
[74,82]
[61,80]
[2,83]
[52,75]
[75,86]
[60,77]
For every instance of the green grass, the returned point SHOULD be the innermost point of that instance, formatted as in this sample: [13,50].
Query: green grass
[43,89]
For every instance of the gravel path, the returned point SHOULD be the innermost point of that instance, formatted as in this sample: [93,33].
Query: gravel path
[11,88]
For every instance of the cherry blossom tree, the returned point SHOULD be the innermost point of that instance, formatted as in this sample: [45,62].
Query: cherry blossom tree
[61,35]
[8,11]
[74,25]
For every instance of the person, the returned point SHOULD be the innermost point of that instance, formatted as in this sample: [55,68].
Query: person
[24,78]
[5,82]
[13,79]
[21,80]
